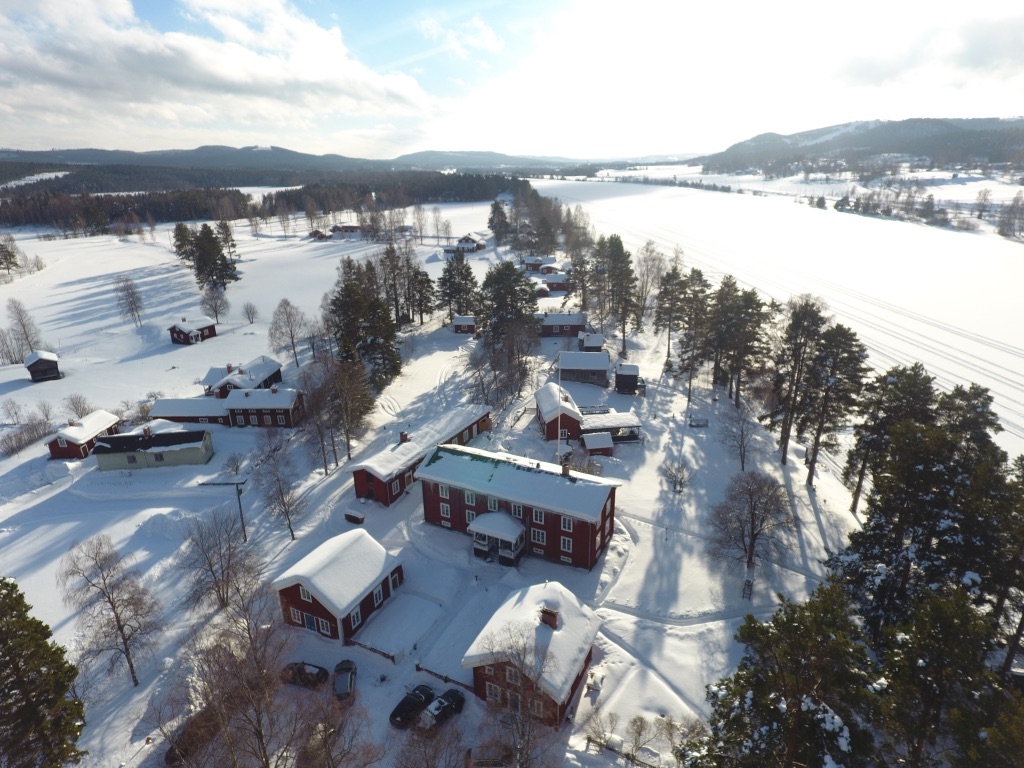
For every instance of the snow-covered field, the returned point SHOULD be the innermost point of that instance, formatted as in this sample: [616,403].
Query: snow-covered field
[911,292]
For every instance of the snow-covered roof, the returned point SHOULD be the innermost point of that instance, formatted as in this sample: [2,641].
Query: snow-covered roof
[40,354]
[561,318]
[591,339]
[162,442]
[583,361]
[628,369]
[552,400]
[464,320]
[555,277]
[341,571]
[262,398]
[534,483]
[597,440]
[399,456]
[500,525]
[241,376]
[189,324]
[557,653]
[86,428]
[198,407]
[610,420]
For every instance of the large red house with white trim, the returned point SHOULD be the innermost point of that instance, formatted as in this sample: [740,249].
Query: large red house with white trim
[560,515]
[533,653]
[561,323]
[387,472]
[337,587]
[78,438]
[274,407]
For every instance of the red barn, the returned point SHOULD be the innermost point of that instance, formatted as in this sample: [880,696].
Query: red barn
[78,438]
[532,654]
[566,516]
[337,587]
[389,470]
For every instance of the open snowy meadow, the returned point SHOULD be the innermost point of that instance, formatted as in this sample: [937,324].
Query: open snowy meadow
[947,299]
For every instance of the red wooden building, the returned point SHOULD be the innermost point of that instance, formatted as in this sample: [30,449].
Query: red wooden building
[549,626]
[389,470]
[192,331]
[261,373]
[42,365]
[464,324]
[566,516]
[337,587]
[78,438]
[274,407]
[562,323]
[190,410]
[557,414]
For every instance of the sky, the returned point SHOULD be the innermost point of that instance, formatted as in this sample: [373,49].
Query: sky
[585,79]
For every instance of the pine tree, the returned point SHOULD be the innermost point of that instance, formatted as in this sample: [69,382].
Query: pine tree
[621,281]
[833,380]
[800,695]
[40,720]
[184,243]
[668,306]
[694,304]
[227,240]
[507,297]
[457,287]
[497,222]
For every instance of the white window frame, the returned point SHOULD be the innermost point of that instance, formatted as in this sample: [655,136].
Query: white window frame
[396,485]
[566,523]
[512,675]
[470,498]
[305,594]
[442,490]
[324,626]
[395,583]
[566,544]
[470,516]
[281,420]
[538,536]
[537,708]
[62,442]
[488,671]
[515,702]
[298,617]
[267,420]
[240,420]
[563,434]
[446,511]
[355,618]
[378,595]
[492,503]
[493,692]
[517,511]
[538,516]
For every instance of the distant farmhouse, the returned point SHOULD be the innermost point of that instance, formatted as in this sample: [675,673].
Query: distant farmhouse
[42,365]
[260,373]
[192,331]
[78,439]
[561,323]
[556,513]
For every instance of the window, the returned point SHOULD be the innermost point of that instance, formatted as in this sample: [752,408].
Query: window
[395,486]
[492,504]
[254,420]
[488,671]
[131,459]
[281,421]
[566,524]
[446,511]
[538,516]
[470,498]
[538,536]
[563,434]
[517,511]
[158,457]
[268,420]
[566,544]
[465,436]
[566,328]
[378,596]
[442,491]
[304,594]
[203,420]
[395,581]
[514,703]
[325,627]
[512,675]
[62,442]
[493,692]
[355,618]
[240,420]
[537,708]
[470,515]
[297,616]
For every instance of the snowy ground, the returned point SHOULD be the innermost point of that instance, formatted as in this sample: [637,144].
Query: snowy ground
[669,611]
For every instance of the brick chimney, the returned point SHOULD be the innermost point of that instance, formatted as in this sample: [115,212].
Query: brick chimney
[273,390]
[565,470]
[549,616]
[147,432]
[403,437]
[229,367]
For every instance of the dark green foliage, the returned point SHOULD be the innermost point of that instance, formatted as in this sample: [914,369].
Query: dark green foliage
[507,297]
[498,223]
[668,309]
[40,721]
[457,288]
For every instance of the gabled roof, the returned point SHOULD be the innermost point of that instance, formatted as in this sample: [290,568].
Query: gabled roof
[262,398]
[464,320]
[341,571]
[154,441]
[552,400]
[387,461]
[583,361]
[205,407]
[86,428]
[40,354]
[611,420]
[556,654]
[561,318]
[193,324]
[534,483]
[501,525]
[242,376]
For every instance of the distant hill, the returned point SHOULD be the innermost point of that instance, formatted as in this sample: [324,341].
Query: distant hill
[941,142]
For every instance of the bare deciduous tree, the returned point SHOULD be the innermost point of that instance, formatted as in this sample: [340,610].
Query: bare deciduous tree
[746,524]
[351,401]
[250,312]
[426,749]
[233,463]
[129,299]
[214,302]
[118,615]
[216,560]
[677,473]
[737,432]
[639,733]
[287,328]
[273,478]
[23,329]
[77,405]
[12,410]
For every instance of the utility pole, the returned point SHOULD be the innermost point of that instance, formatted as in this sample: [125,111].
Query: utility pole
[238,495]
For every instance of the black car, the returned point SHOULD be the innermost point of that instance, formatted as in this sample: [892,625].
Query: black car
[442,708]
[344,680]
[305,674]
[409,708]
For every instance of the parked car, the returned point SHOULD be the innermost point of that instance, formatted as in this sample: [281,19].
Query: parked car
[409,708]
[305,674]
[441,709]
[344,680]
[196,733]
